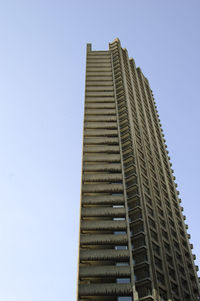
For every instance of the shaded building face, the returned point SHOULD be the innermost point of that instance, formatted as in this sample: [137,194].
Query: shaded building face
[133,239]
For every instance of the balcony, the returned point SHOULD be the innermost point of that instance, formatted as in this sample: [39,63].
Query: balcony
[140,257]
[104,271]
[132,190]
[144,290]
[100,132]
[100,105]
[102,140]
[97,70]
[103,200]
[103,239]
[135,214]
[99,99]
[115,167]
[100,125]
[99,88]
[103,211]
[103,74]
[95,188]
[138,241]
[93,83]
[104,255]
[111,289]
[100,111]
[102,158]
[98,177]
[142,273]
[108,225]
[131,180]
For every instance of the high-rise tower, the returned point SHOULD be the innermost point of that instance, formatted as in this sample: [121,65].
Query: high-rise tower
[133,240]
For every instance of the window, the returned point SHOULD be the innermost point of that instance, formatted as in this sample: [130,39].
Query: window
[167,247]
[169,260]
[154,235]
[162,222]
[158,262]
[171,223]
[136,228]
[119,264]
[134,215]
[156,248]
[176,244]
[144,290]
[164,233]
[147,199]
[174,233]
[174,288]
[160,211]
[160,277]
[145,181]
[163,295]
[138,242]
[139,257]
[132,203]
[146,189]
[187,296]
[159,202]
[123,280]
[124,299]
[151,222]
[117,194]
[150,211]
[142,273]
[121,247]
[172,273]
[178,256]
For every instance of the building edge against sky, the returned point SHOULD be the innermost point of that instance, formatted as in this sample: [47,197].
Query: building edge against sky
[133,240]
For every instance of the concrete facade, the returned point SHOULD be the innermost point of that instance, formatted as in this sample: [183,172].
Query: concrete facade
[133,240]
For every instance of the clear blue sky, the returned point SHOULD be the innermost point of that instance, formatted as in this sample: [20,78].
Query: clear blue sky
[42,69]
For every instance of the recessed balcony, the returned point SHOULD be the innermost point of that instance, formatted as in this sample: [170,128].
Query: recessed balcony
[104,271]
[96,225]
[104,255]
[104,289]
[117,199]
[103,239]
[95,188]
[104,212]
[115,167]
[101,177]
